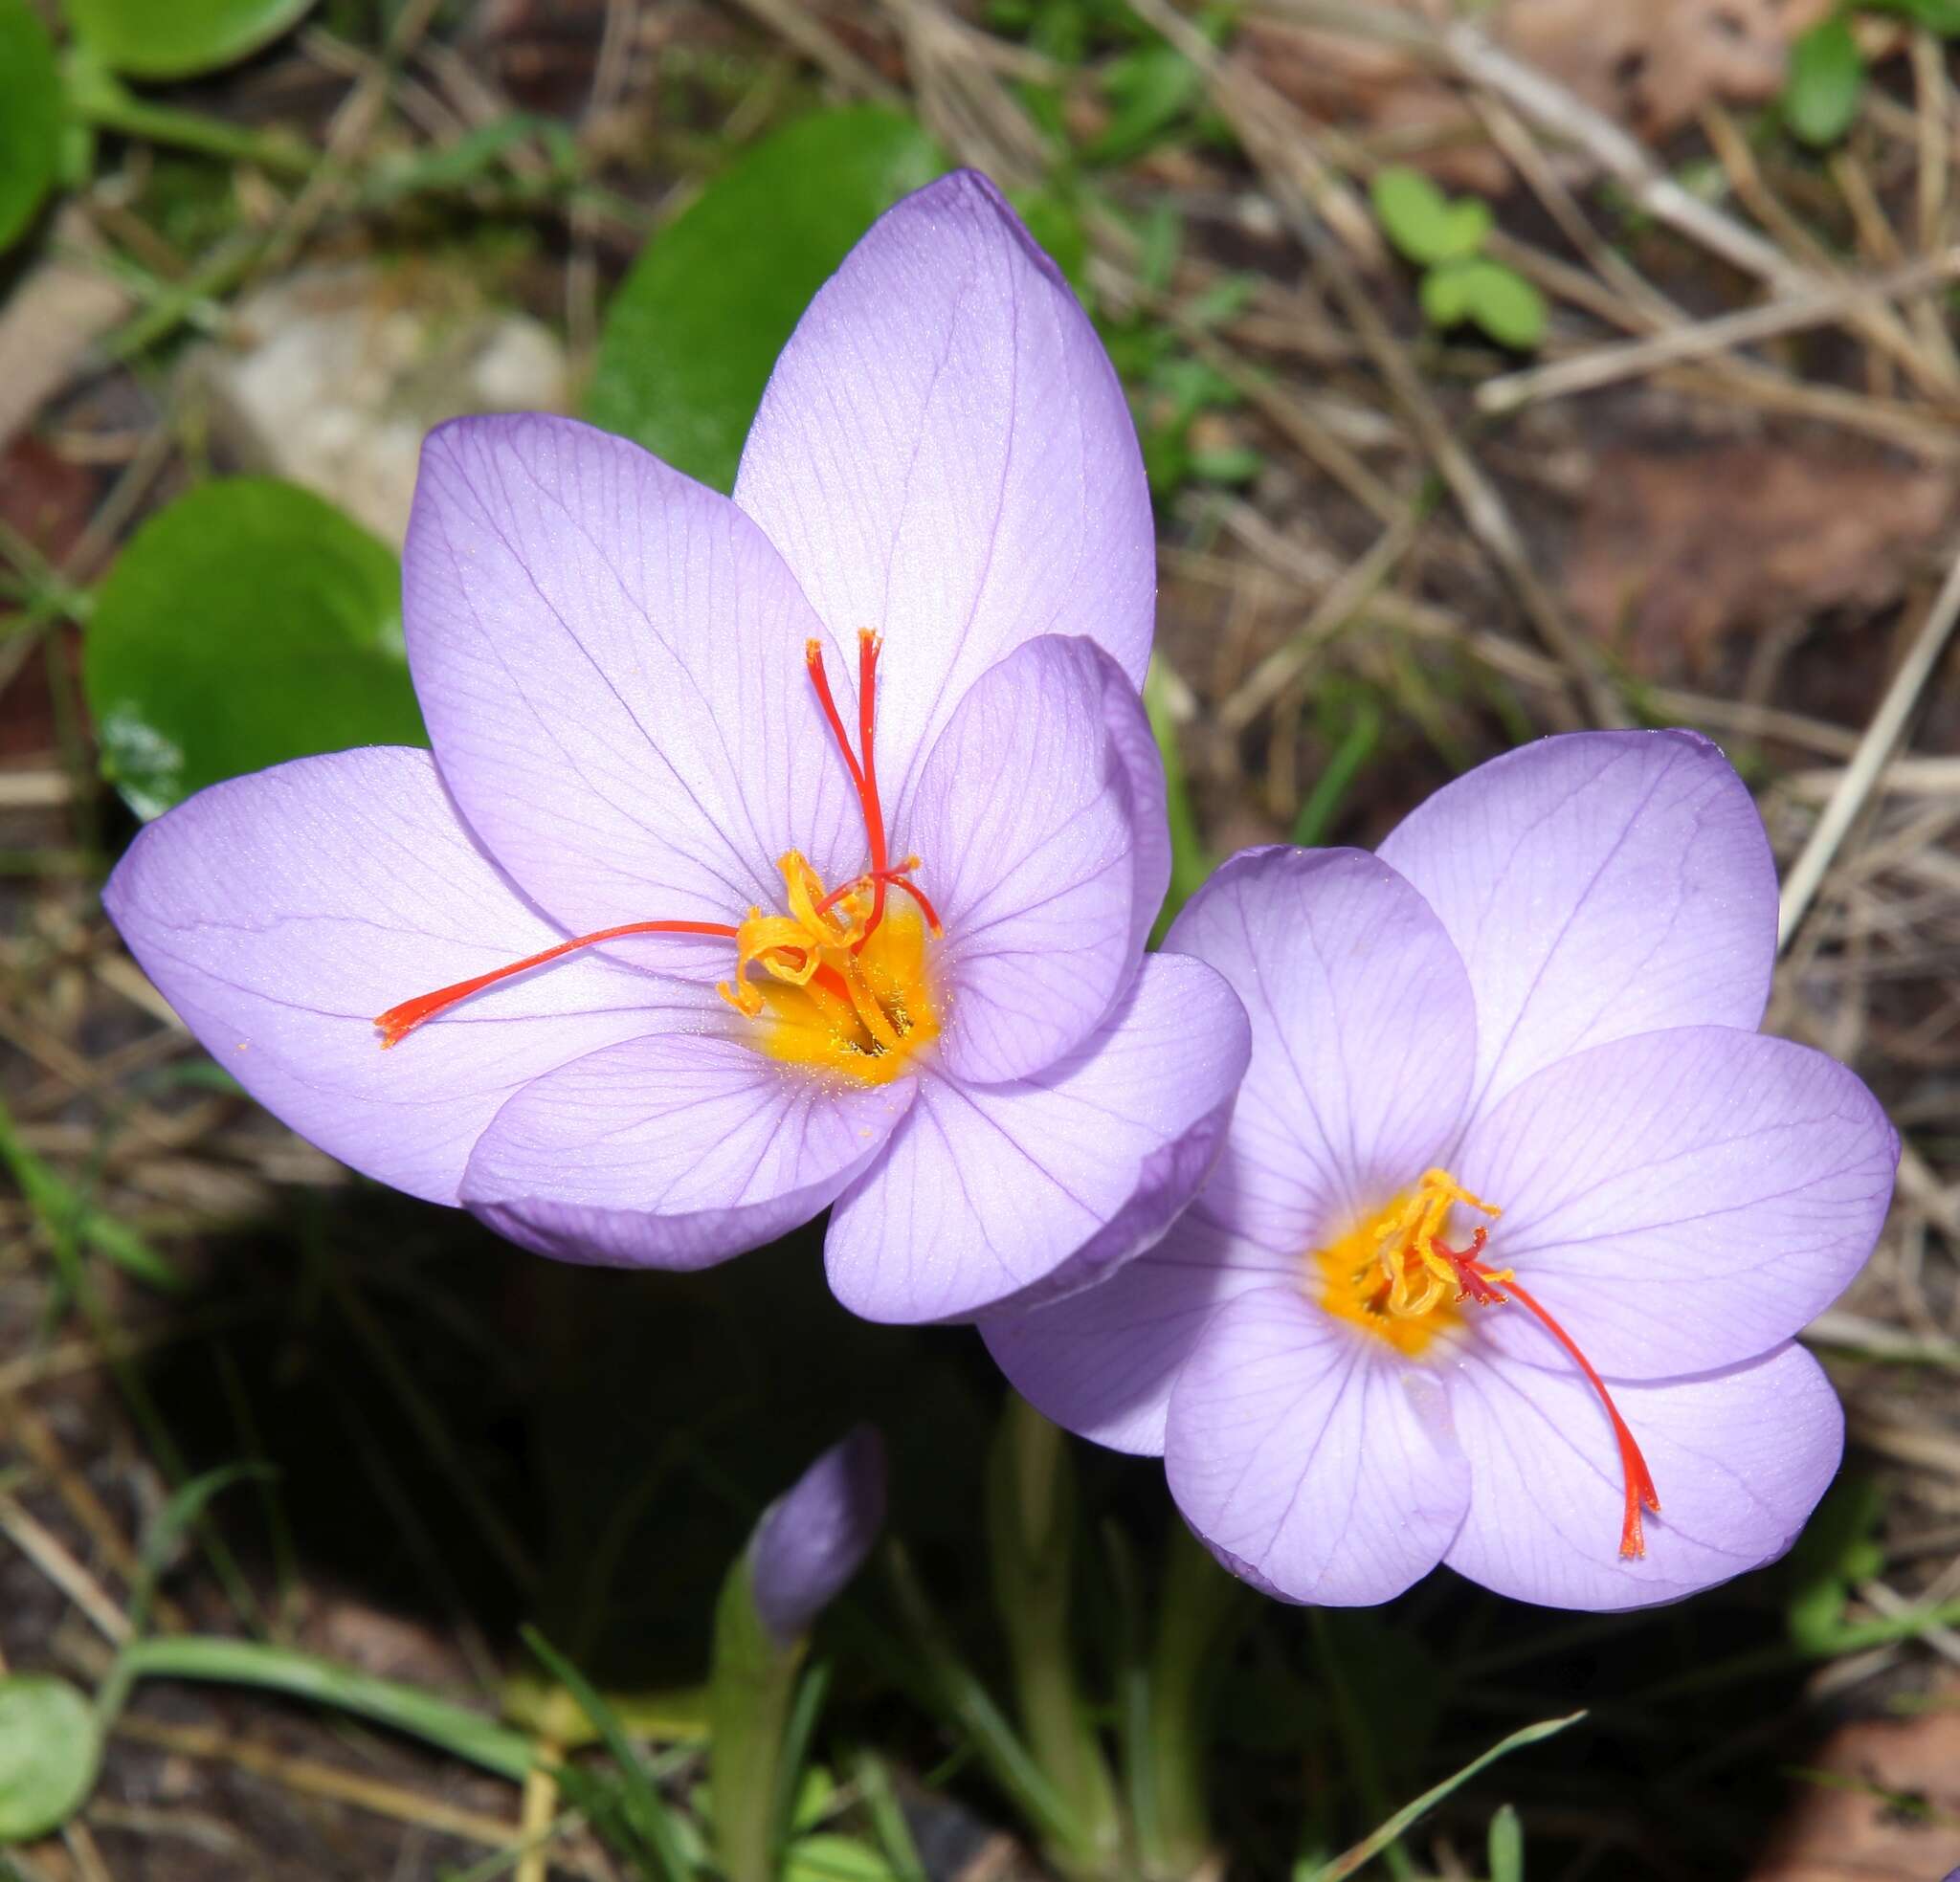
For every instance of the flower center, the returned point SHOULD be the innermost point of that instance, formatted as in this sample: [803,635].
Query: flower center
[847,989]
[1395,1277]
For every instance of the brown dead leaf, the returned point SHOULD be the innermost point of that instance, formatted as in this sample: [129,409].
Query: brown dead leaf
[58,312]
[1678,550]
[1650,64]
[1653,64]
[1885,1806]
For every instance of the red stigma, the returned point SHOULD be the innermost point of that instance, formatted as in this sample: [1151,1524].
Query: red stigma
[1479,1284]
[864,773]
[399,1021]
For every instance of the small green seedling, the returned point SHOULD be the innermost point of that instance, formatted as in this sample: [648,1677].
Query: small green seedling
[1825,82]
[1445,238]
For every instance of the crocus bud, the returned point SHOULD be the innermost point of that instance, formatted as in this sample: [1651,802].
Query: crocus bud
[814,1537]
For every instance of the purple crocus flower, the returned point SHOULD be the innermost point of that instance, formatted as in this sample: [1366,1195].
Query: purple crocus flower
[1517,1212]
[814,1537]
[678,936]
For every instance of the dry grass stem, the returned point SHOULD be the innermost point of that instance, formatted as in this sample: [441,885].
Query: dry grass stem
[1607,366]
[1875,748]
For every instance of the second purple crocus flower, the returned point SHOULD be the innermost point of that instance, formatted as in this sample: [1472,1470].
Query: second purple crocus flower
[775,853]
[1518,1215]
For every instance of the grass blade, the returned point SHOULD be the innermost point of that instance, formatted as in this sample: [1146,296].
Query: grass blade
[646,1809]
[452,1728]
[1376,1841]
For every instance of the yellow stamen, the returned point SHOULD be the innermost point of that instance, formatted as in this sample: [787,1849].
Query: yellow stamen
[792,946]
[868,1019]
[1386,1275]
[841,994]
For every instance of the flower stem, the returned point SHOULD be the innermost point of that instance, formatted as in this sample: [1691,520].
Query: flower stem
[749,1690]
[1198,1610]
[102,100]
[1032,1533]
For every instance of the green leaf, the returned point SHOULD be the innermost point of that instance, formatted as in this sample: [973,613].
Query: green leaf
[696,324]
[1824,83]
[1378,1840]
[1416,216]
[1235,465]
[1191,863]
[31,127]
[180,38]
[1150,89]
[1834,1553]
[49,1751]
[1498,298]
[1507,1848]
[1446,296]
[1323,802]
[248,623]
[450,1728]
[1941,16]
[67,1216]
[1504,304]
[168,1528]
[835,1859]
[646,1809]
[1465,229]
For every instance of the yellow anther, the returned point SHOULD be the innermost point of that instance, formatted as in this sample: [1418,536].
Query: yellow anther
[1405,1233]
[1384,1274]
[792,947]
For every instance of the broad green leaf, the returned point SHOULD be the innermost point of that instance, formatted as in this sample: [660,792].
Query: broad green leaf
[1446,294]
[49,1751]
[696,324]
[1824,83]
[31,128]
[1465,229]
[177,38]
[1500,302]
[1415,214]
[248,623]
[1504,304]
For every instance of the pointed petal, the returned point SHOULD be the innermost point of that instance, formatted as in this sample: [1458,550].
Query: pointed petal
[944,454]
[611,661]
[1739,1457]
[1033,827]
[1596,885]
[1024,1191]
[1102,1362]
[279,913]
[676,1150]
[1313,1460]
[1680,1200]
[1363,1038]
